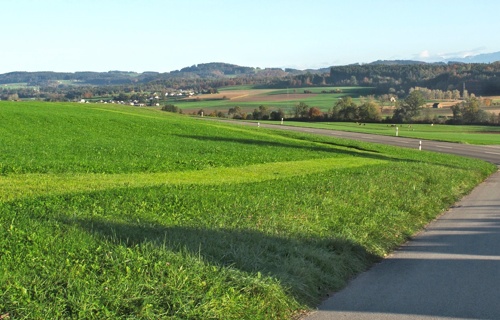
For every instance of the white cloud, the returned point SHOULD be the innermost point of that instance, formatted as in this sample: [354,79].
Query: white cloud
[427,56]
[462,54]
[424,54]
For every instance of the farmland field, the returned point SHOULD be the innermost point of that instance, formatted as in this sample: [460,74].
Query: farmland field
[114,212]
[249,99]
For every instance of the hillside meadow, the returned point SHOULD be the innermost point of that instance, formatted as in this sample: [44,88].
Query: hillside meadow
[114,212]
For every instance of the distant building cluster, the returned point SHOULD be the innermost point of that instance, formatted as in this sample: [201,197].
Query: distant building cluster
[180,93]
[131,102]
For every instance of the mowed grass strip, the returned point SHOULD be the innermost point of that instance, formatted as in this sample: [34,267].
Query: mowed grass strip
[33,185]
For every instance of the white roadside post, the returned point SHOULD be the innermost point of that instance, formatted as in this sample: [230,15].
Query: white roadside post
[258,124]
[281,120]
[420,145]
[397,131]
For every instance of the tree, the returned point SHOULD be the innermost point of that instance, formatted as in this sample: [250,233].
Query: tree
[301,110]
[13,97]
[277,115]
[261,114]
[369,112]
[345,109]
[315,113]
[457,113]
[469,112]
[409,108]
[234,112]
[171,108]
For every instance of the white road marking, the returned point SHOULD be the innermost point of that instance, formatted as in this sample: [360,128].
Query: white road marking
[492,152]
[444,147]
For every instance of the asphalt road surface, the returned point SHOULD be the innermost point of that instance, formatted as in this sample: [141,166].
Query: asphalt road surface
[450,270]
[487,153]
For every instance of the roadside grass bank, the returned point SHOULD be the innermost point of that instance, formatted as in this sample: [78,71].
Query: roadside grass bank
[135,213]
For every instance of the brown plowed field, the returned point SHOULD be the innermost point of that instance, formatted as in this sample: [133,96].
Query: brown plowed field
[238,95]
[255,95]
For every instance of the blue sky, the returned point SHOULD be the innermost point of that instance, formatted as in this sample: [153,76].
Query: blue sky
[166,35]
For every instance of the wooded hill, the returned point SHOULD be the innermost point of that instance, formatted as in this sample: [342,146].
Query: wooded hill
[394,77]
[201,71]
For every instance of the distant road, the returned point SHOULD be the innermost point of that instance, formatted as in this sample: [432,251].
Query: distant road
[487,153]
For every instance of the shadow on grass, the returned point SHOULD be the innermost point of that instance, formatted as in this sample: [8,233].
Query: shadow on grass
[338,148]
[310,268]
[330,147]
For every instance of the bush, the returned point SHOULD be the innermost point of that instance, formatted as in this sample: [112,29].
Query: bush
[171,108]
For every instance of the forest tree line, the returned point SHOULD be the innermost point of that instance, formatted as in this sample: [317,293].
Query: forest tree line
[397,80]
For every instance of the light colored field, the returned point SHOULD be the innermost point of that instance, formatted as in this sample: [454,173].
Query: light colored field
[239,95]
[253,95]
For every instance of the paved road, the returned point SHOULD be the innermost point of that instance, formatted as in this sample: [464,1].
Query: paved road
[487,153]
[451,270]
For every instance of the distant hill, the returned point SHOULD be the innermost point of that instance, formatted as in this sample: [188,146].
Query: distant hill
[396,62]
[204,71]
[213,70]
[216,69]
[480,58]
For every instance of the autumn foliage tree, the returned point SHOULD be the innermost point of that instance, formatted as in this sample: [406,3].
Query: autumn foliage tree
[315,113]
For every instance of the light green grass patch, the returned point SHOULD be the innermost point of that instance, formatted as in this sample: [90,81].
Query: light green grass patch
[30,185]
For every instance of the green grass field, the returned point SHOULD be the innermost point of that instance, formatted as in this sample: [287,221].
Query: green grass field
[112,212]
[481,135]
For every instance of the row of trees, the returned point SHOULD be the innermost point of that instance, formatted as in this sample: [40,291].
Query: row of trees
[470,112]
[346,110]
[408,110]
